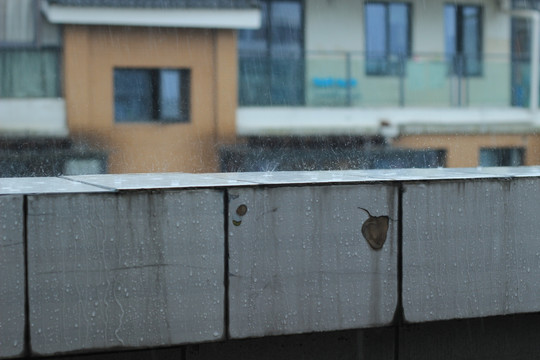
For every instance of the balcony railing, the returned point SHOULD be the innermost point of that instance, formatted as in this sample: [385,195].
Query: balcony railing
[29,72]
[353,80]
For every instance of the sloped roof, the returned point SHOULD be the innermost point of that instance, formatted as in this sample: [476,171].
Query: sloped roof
[161,4]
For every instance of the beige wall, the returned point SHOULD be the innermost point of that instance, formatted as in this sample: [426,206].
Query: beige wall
[464,150]
[90,55]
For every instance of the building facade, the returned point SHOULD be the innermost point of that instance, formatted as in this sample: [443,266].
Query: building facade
[179,85]
[453,77]
[153,85]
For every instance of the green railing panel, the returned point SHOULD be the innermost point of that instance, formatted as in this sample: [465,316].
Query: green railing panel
[29,73]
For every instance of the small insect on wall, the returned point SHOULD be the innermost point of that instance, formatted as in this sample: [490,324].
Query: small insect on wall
[375,229]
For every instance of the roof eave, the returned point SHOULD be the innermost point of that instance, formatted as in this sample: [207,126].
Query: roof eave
[208,18]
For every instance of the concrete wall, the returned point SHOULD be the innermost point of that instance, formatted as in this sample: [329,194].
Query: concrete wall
[12,283]
[124,262]
[91,53]
[311,272]
[129,262]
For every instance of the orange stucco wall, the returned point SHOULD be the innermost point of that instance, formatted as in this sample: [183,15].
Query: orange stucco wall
[90,55]
[464,150]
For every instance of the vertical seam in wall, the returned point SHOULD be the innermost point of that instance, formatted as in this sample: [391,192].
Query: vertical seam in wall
[226,261]
[27,347]
[398,317]
[215,92]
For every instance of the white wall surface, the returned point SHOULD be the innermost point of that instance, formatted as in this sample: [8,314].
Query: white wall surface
[306,121]
[333,25]
[33,117]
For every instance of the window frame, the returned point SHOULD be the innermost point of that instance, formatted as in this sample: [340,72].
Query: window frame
[155,97]
[459,55]
[390,70]
[504,156]
[265,58]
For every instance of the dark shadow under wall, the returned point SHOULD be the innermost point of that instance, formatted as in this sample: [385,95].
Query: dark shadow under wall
[510,337]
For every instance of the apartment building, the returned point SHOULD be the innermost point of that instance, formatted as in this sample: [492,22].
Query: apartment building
[201,86]
[34,138]
[450,78]
[152,84]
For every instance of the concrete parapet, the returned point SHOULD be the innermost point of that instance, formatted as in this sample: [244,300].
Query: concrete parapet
[117,262]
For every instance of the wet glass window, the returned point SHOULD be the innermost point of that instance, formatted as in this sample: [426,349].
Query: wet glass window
[501,156]
[463,39]
[271,58]
[29,52]
[388,40]
[17,22]
[142,95]
[255,41]
[521,59]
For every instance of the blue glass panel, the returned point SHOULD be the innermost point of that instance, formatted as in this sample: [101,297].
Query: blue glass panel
[132,95]
[450,30]
[398,18]
[169,99]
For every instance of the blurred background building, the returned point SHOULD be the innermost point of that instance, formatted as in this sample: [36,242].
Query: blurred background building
[89,86]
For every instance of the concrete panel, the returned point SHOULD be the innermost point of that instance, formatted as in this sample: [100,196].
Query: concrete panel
[471,249]
[298,261]
[12,276]
[125,270]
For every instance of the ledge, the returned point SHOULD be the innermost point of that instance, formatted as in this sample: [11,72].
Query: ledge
[388,122]
[154,260]
[19,117]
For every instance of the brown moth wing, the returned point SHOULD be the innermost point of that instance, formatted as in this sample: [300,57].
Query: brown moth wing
[374,230]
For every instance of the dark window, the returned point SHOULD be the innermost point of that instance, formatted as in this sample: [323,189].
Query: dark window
[521,59]
[501,157]
[463,39]
[151,95]
[271,58]
[388,42]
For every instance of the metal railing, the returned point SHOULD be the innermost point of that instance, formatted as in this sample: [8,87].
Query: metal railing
[316,78]
[352,79]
